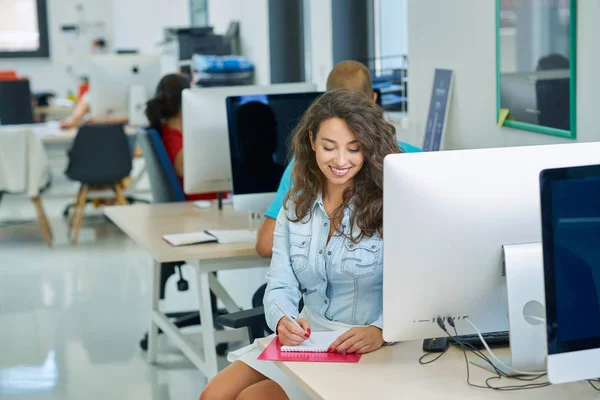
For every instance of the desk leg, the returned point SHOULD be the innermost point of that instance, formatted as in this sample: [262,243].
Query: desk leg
[208,326]
[153,332]
[222,294]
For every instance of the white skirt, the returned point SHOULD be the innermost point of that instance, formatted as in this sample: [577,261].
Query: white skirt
[249,356]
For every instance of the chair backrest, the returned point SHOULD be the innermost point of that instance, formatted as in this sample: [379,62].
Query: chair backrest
[100,155]
[15,102]
[164,184]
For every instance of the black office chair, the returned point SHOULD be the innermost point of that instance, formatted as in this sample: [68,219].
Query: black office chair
[166,188]
[99,159]
[253,319]
[131,141]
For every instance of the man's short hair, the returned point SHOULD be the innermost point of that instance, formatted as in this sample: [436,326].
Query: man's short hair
[350,75]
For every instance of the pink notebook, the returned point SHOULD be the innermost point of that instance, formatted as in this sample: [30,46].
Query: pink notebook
[273,352]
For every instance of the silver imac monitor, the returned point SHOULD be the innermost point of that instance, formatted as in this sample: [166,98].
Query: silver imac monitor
[112,78]
[260,128]
[206,161]
[570,200]
[446,217]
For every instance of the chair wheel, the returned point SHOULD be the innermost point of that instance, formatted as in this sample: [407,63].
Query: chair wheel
[222,349]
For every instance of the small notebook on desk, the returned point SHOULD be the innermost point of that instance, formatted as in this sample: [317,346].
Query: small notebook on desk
[211,236]
[319,342]
[316,352]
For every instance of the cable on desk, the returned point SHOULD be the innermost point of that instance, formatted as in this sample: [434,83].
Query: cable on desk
[496,358]
[499,374]
[430,353]
[591,382]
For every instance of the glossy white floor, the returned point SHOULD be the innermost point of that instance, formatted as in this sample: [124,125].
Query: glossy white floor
[71,317]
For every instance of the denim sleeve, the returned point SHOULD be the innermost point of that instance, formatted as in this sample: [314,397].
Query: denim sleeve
[378,322]
[282,285]
[284,186]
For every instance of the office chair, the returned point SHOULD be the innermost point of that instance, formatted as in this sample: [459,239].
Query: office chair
[253,319]
[98,159]
[131,141]
[166,188]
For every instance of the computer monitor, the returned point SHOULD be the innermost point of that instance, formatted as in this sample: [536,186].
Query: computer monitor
[537,98]
[260,128]
[378,99]
[15,102]
[446,216]
[112,78]
[206,161]
[570,204]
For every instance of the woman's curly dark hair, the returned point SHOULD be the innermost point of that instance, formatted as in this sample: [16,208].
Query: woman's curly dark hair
[377,138]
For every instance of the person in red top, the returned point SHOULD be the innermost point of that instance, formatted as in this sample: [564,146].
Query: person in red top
[165,115]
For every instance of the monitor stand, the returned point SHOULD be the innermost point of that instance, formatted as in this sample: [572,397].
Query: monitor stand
[137,105]
[524,270]
[220,200]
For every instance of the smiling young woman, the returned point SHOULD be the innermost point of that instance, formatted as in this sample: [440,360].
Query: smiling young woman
[328,246]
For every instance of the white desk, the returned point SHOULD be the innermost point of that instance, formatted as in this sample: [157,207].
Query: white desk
[146,224]
[65,136]
[393,372]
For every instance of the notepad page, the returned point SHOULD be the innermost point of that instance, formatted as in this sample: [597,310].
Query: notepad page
[320,342]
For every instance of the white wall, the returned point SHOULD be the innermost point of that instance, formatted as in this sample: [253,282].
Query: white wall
[139,24]
[131,24]
[319,41]
[254,30]
[460,35]
[53,73]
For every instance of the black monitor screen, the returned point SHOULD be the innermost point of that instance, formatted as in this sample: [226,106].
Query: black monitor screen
[260,128]
[571,231]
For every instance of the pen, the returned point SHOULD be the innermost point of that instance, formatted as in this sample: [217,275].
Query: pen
[291,319]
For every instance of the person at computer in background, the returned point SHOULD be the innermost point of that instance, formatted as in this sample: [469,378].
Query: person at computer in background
[164,114]
[347,74]
[81,109]
[332,221]
[77,117]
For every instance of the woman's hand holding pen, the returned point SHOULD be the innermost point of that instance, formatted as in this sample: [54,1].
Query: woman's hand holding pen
[289,334]
[358,340]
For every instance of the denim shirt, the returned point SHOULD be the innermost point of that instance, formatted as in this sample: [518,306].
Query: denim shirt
[340,280]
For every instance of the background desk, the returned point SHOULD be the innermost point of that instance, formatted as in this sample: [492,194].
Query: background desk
[52,113]
[146,224]
[394,372]
[66,136]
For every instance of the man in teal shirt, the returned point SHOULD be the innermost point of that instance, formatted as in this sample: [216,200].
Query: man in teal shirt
[349,75]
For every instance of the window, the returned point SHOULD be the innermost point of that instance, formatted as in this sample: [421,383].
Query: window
[23,29]
[390,69]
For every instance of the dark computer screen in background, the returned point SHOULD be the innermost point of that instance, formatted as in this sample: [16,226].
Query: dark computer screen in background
[576,257]
[260,128]
[15,102]
[379,99]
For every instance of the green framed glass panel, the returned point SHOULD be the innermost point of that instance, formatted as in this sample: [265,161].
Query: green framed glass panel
[536,65]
